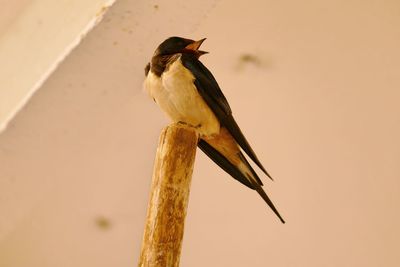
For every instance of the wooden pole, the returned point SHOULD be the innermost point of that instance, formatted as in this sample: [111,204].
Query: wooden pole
[166,212]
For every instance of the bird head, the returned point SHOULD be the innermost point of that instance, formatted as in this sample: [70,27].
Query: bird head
[175,45]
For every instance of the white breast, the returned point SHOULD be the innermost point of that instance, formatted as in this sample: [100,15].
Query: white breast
[178,97]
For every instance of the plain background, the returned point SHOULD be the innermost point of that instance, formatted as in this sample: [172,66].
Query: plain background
[315,87]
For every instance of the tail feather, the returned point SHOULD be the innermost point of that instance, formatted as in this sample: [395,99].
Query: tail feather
[256,182]
[264,195]
[224,163]
[231,160]
[230,123]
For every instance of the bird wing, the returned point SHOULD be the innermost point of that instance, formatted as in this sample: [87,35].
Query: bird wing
[209,89]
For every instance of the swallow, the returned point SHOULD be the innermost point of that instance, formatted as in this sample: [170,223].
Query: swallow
[188,93]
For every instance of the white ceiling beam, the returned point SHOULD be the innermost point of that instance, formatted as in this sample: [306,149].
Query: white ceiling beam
[34,40]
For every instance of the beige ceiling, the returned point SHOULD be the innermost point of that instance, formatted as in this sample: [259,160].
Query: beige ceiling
[315,87]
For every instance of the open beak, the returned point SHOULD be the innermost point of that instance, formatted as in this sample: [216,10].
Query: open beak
[195,47]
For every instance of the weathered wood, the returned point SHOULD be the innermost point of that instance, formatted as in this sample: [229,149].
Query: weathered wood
[163,233]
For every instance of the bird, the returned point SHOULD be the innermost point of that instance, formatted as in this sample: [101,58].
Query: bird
[189,94]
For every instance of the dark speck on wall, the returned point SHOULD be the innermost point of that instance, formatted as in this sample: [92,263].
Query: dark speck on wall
[156,7]
[246,60]
[103,223]
[250,59]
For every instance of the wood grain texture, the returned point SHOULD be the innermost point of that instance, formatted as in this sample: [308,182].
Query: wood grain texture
[163,233]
